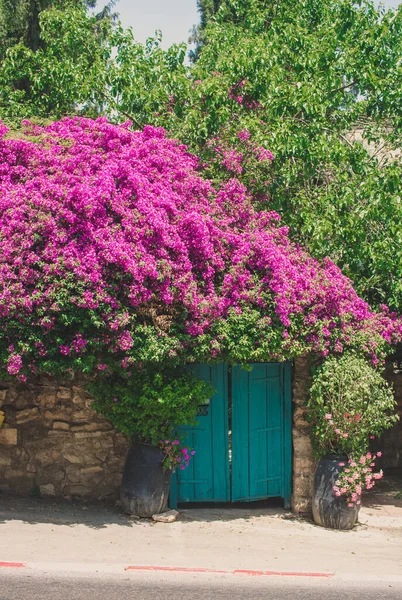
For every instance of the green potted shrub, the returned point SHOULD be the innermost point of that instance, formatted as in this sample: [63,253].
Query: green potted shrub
[147,407]
[349,404]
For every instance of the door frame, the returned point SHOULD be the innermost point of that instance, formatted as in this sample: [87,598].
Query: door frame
[286,387]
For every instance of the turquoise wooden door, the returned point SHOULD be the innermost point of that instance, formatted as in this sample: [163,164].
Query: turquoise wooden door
[242,442]
[206,479]
[261,436]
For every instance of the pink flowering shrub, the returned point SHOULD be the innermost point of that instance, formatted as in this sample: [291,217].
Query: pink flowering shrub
[116,252]
[349,404]
[177,456]
[357,476]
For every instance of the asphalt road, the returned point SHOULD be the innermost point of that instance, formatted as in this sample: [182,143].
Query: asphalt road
[196,587]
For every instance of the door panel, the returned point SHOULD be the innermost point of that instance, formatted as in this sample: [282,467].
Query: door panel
[206,479]
[259,438]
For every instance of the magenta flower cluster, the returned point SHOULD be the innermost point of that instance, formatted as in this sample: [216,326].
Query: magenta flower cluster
[98,223]
[176,456]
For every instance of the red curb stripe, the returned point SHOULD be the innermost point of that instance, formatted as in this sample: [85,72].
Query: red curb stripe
[12,564]
[281,573]
[236,572]
[173,569]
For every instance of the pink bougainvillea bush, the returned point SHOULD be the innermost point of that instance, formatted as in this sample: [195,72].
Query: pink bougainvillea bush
[115,251]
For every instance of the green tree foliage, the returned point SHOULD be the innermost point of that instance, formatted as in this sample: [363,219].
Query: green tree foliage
[306,79]
[207,9]
[316,82]
[62,75]
[49,53]
[20,19]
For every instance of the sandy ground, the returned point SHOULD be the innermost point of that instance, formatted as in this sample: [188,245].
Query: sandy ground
[49,536]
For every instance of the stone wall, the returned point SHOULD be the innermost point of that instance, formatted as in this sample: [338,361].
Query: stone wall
[303,458]
[391,442]
[54,444]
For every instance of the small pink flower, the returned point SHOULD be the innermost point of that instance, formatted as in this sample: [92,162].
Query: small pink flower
[328,416]
[338,431]
[182,467]
[379,453]
[192,452]
[345,435]
[341,464]
[372,437]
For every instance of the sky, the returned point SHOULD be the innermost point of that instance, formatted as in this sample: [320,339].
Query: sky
[174,18]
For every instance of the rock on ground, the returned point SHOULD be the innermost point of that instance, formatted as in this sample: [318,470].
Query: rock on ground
[169,516]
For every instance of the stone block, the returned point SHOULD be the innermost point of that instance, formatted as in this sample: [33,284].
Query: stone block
[88,434]
[59,433]
[170,516]
[61,425]
[74,458]
[302,447]
[25,416]
[90,427]
[14,473]
[57,415]
[47,490]
[79,401]
[5,461]
[8,437]
[63,393]
[44,457]
[299,416]
[77,490]
[46,400]
[89,470]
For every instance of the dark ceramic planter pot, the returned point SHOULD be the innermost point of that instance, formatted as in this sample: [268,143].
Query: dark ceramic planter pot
[329,510]
[145,486]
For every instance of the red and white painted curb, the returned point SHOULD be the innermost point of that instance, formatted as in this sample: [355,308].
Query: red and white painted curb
[226,572]
[155,568]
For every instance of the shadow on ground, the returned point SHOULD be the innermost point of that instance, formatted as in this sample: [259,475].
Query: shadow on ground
[61,512]
[98,515]
[386,493]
